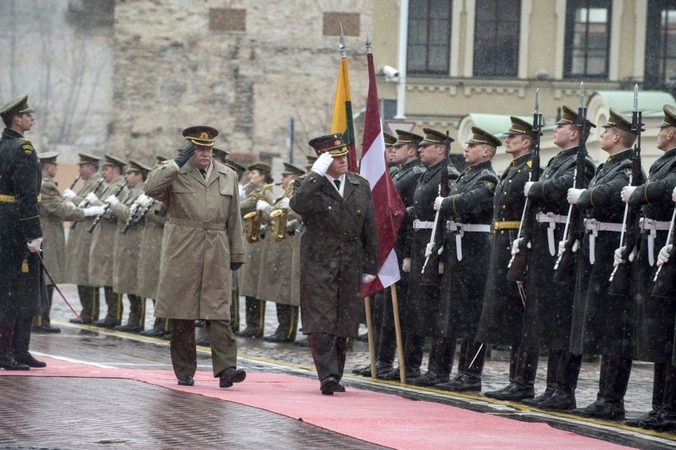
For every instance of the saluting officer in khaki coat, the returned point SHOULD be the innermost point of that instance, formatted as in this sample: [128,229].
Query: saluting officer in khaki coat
[202,244]
[53,212]
[79,241]
[102,251]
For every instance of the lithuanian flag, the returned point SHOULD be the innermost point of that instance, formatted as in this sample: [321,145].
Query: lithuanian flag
[342,114]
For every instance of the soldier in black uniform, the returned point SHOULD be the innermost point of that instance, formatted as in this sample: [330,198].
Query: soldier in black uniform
[654,316]
[423,301]
[549,305]
[23,293]
[602,323]
[502,314]
[409,169]
[467,214]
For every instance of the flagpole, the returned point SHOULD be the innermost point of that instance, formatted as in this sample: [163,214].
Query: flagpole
[397,329]
[369,332]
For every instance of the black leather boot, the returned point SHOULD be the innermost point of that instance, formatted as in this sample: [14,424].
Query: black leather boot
[563,398]
[470,368]
[440,363]
[666,419]
[523,382]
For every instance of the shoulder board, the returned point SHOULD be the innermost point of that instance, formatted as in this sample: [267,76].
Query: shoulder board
[28,149]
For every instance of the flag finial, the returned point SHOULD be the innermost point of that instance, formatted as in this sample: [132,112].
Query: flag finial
[343,47]
[368,39]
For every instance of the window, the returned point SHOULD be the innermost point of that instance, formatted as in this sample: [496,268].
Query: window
[587,38]
[496,38]
[660,56]
[227,19]
[429,37]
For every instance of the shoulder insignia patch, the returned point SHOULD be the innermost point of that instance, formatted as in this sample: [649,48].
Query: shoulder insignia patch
[530,164]
[28,149]
[52,192]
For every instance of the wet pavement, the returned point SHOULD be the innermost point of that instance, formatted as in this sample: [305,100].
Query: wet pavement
[147,411]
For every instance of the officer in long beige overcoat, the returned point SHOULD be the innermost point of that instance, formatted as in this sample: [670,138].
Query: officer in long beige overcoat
[202,243]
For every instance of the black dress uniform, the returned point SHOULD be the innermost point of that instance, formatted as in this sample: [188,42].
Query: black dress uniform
[23,292]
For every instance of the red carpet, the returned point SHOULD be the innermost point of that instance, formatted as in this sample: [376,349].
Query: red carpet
[382,419]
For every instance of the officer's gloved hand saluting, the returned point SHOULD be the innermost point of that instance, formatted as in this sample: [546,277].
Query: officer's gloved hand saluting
[322,164]
[185,154]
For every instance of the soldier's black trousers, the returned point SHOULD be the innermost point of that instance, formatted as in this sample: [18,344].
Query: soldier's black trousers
[15,336]
[90,300]
[328,352]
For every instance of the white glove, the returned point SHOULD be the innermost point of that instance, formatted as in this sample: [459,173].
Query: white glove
[69,193]
[406,265]
[142,200]
[617,256]
[574,195]
[112,200]
[284,203]
[92,198]
[437,203]
[626,193]
[94,211]
[562,247]
[516,244]
[526,187]
[322,164]
[663,256]
[34,245]
[367,278]
[261,205]
[428,250]
[71,205]
[133,208]
[673,195]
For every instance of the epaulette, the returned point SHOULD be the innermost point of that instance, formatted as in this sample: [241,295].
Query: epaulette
[419,169]
[28,149]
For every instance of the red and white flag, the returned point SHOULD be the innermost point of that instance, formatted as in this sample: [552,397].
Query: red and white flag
[389,208]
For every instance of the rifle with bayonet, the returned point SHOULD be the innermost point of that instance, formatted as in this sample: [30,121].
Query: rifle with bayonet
[430,269]
[518,265]
[85,203]
[621,276]
[666,273]
[574,230]
[105,208]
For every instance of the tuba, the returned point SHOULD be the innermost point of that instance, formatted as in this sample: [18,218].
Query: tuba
[278,217]
[252,220]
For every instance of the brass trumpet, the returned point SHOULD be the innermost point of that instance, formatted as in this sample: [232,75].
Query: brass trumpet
[279,217]
[252,220]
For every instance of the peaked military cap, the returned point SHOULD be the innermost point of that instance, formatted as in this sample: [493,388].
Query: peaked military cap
[48,157]
[201,135]
[569,116]
[159,159]
[617,120]
[669,117]
[310,160]
[331,143]
[86,158]
[290,169]
[260,166]
[222,154]
[18,105]
[110,160]
[234,165]
[480,136]
[520,126]
[406,138]
[389,139]
[434,137]
[138,167]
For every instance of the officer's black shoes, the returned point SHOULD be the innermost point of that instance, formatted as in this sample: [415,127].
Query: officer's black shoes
[665,421]
[203,341]
[393,375]
[341,388]
[104,324]
[230,376]
[186,380]
[514,392]
[546,395]
[559,401]
[303,343]
[602,409]
[46,329]
[249,333]
[129,328]
[9,363]
[154,332]
[651,417]
[329,385]
[462,383]
[382,368]
[278,338]
[84,321]
[27,359]
[430,378]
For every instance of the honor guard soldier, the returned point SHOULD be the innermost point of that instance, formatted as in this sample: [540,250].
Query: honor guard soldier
[104,233]
[202,243]
[23,287]
[423,299]
[549,305]
[501,320]
[79,241]
[654,315]
[467,214]
[339,251]
[602,323]
[251,207]
[390,140]
[53,212]
[128,245]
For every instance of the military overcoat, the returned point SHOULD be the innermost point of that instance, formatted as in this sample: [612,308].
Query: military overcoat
[151,250]
[127,245]
[339,244]
[202,236]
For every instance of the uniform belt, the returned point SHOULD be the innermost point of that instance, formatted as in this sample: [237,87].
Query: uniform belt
[198,224]
[651,227]
[460,228]
[552,219]
[595,226]
[422,225]
[4,198]
[507,225]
